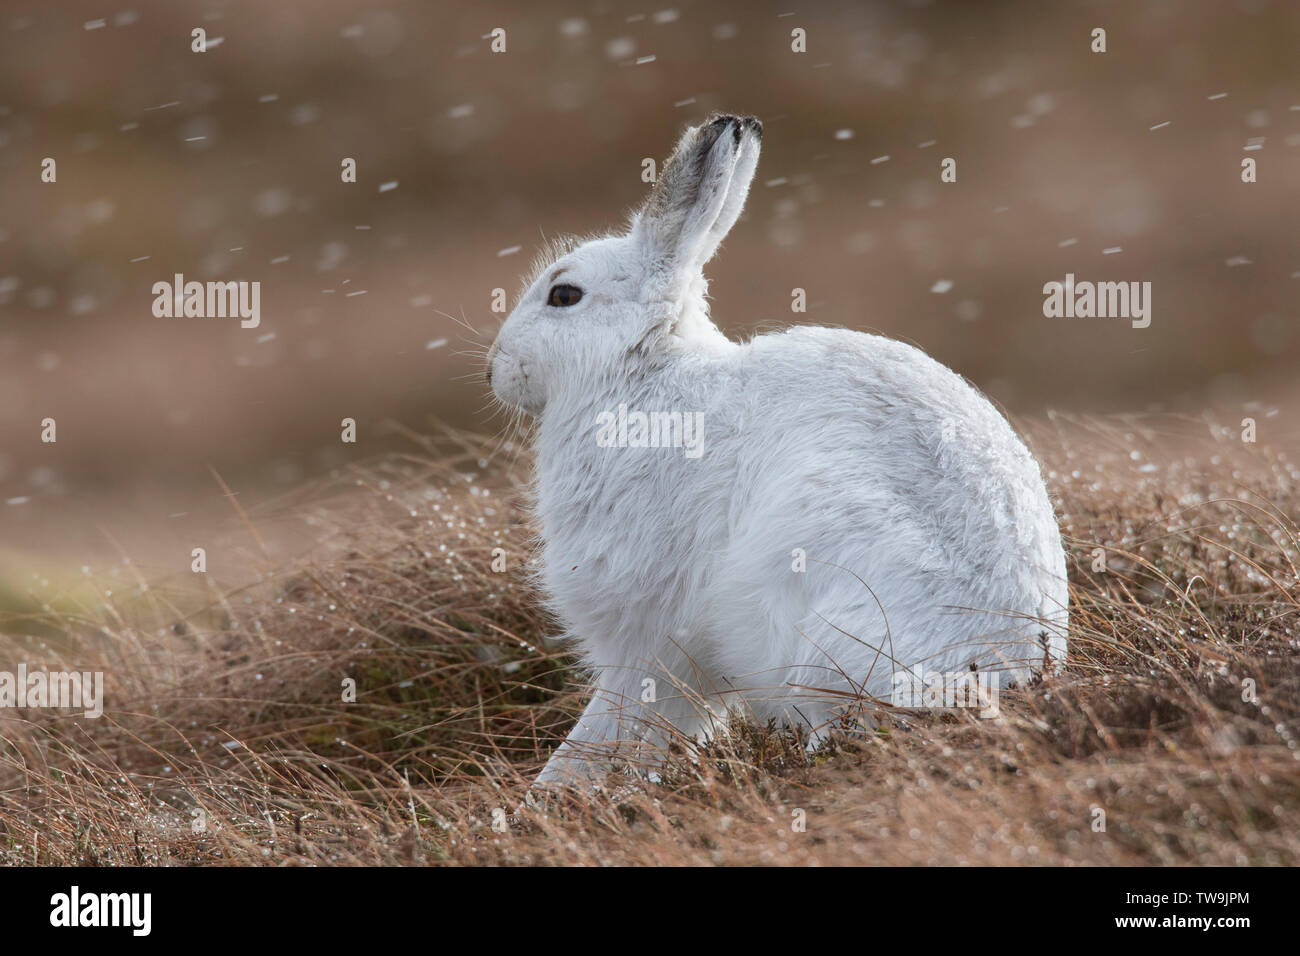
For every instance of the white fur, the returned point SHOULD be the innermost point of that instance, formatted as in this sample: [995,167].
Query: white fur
[929,535]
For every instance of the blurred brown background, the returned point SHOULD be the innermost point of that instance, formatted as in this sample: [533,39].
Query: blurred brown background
[225,165]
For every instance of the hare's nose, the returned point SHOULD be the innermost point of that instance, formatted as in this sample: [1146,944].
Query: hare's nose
[491,358]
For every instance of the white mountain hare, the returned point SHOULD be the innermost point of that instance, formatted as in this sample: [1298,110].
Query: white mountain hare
[772,526]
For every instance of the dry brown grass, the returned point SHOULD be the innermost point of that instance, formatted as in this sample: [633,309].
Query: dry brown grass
[231,705]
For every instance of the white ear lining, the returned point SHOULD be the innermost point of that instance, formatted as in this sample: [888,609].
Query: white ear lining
[691,193]
[695,245]
[742,174]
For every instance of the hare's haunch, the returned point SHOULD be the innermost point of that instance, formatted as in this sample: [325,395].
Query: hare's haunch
[777,526]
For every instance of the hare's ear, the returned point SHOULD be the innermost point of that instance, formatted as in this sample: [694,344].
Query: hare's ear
[700,193]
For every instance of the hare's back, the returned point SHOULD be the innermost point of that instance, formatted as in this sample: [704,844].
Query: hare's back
[869,442]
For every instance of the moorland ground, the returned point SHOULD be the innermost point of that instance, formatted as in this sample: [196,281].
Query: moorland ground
[1169,738]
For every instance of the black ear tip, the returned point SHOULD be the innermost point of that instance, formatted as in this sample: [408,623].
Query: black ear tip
[740,124]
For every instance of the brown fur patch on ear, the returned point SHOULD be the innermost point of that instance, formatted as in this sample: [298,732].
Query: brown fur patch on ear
[685,163]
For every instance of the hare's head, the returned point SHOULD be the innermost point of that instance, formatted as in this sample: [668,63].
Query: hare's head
[595,308]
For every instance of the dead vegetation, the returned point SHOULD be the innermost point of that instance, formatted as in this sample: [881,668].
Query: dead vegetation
[226,738]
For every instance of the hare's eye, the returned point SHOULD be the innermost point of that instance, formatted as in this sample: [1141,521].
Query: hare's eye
[563,295]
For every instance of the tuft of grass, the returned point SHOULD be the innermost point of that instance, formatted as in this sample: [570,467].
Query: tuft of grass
[1169,738]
